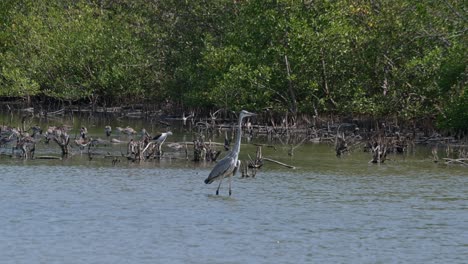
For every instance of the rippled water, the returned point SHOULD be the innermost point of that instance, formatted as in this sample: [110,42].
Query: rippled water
[328,210]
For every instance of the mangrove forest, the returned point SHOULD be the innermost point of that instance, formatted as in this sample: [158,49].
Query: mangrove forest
[369,58]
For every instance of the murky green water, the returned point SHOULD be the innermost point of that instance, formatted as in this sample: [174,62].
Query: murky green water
[328,210]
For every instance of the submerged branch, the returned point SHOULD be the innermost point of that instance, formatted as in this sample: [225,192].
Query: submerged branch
[279,163]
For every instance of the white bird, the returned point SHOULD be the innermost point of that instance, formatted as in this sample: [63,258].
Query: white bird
[184,118]
[83,132]
[229,165]
[162,137]
[144,134]
[129,131]
[119,130]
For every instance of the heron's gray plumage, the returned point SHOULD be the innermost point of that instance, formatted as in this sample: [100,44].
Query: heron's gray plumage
[223,168]
[228,166]
[162,137]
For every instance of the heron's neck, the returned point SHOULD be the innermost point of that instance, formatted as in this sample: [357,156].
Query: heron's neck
[238,136]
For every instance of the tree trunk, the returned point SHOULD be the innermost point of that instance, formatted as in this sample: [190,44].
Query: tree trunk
[324,78]
[292,94]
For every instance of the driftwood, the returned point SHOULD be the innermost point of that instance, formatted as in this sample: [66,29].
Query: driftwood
[139,150]
[291,150]
[249,169]
[24,142]
[382,138]
[379,153]
[279,163]
[341,146]
[27,145]
[454,154]
[435,157]
[48,157]
[204,151]
[143,149]
[462,161]
[54,113]
[60,136]
[63,140]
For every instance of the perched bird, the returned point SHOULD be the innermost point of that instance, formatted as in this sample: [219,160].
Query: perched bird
[162,137]
[97,141]
[129,131]
[83,132]
[119,130]
[108,130]
[229,165]
[184,118]
[36,130]
[144,133]
[116,141]
[4,140]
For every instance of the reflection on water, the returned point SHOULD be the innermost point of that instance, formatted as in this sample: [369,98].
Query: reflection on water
[328,210]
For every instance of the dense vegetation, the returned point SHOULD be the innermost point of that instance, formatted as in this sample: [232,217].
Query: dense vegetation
[376,58]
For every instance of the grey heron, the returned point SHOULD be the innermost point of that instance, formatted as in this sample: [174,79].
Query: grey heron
[229,165]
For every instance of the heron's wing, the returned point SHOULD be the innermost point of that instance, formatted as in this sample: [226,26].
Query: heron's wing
[236,168]
[157,136]
[221,169]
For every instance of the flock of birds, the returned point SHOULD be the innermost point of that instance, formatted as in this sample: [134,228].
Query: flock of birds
[226,167]
[84,140]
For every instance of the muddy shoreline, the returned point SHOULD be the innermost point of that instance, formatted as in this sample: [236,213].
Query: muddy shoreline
[424,130]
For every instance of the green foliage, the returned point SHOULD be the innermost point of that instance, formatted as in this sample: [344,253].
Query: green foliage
[73,52]
[455,115]
[372,58]
[19,83]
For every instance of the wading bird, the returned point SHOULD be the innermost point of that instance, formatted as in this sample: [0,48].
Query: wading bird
[162,137]
[229,165]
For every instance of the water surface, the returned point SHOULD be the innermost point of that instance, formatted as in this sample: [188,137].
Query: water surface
[327,210]
[330,211]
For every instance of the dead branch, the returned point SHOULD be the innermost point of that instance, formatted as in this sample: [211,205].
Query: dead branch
[279,163]
[461,161]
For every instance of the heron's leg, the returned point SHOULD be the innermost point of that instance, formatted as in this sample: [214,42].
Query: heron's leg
[232,175]
[230,185]
[220,181]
